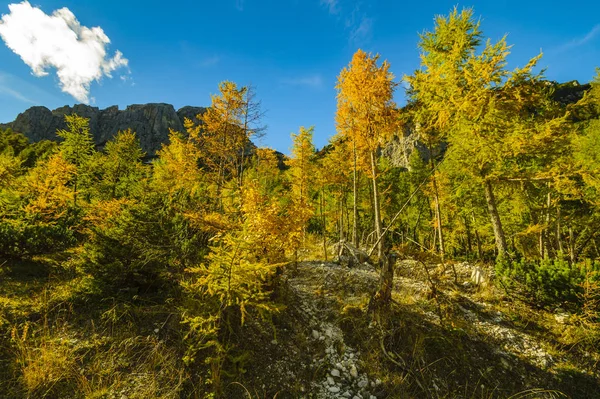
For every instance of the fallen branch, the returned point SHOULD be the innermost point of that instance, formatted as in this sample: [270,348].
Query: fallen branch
[358,255]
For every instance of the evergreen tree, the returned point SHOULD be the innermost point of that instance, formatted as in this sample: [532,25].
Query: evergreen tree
[120,165]
[77,148]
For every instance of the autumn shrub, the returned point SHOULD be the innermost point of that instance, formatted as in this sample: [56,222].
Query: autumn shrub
[21,238]
[549,282]
[223,293]
[139,244]
[37,215]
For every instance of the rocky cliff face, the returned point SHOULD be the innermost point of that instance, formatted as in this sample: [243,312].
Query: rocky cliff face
[150,121]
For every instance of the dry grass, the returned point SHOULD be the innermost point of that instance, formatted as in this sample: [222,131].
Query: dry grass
[45,362]
[58,340]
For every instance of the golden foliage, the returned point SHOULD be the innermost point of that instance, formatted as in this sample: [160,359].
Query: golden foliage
[177,166]
[47,188]
[366,112]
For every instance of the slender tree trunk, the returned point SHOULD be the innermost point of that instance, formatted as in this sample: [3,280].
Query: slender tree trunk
[438,212]
[495,219]
[415,234]
[479,248]
[469,239]
[477,239]
[324,221]
[220,184]
[547,229]
[355,200]
[346,211]
[241,169]
[536,219]
[244,142]
[572,256]
[341,218]
[376,206]
[559,244]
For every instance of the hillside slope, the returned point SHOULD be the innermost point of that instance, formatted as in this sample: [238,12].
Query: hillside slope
[440,341]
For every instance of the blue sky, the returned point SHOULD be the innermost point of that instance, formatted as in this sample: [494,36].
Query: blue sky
[290,50]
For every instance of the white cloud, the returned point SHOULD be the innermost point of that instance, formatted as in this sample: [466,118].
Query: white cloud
[22,90]
[59,41]
[15,94]
[362,31]
[332,6]
[5,88]
[581,41]
[308,81]
[357,22]
[591,34]
[210,61]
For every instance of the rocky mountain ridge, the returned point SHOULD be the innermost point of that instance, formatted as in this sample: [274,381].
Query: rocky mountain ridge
[150,121]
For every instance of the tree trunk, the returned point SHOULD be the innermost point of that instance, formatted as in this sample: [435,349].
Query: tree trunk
[559,244]
[324,221]
[479,248]
[547,229]
[355,201]
[438,212]
[469,239]
[384,295]
[477,239]
[346,211]
[376,206]
[341,218]
[415,235]
[495,219]
[572,256]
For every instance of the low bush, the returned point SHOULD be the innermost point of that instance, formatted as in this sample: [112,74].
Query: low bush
[20,238]
[549,282]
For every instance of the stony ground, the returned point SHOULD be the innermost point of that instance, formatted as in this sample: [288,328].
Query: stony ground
[344,377]
[321,290]
[463,341]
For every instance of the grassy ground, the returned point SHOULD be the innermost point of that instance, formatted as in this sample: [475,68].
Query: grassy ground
[59,338]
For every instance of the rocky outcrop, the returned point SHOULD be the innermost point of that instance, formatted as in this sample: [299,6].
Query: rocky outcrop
[150,121]
[569,92]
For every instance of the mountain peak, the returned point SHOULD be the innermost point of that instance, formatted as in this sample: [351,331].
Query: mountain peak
[150,121]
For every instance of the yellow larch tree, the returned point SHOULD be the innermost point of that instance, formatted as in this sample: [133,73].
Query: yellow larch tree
[46,189]
[223,137]
[443,60]
[336,174]
[177,167]
[301,176]
[77,148]
[367,115]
